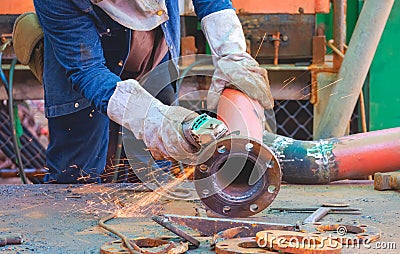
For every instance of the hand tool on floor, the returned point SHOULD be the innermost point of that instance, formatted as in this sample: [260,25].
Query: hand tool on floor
[168,225]
[324,210]
[387,181]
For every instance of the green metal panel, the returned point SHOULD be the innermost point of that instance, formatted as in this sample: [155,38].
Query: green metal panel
[384,83]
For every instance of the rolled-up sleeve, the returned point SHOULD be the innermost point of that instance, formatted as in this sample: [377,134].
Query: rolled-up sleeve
[76,42]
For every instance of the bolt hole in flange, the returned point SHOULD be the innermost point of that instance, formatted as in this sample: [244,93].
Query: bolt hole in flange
[242,174]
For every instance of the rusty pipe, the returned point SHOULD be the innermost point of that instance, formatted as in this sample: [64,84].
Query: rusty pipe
[29,172]
[317,162]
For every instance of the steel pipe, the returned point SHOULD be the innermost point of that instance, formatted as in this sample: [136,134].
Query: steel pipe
[323,161]
[354,156]
[354,68]
[239,176]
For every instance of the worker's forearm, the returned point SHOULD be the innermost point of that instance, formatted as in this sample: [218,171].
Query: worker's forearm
[97,84]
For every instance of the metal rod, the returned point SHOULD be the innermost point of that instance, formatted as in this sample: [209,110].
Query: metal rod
[354,68]
[339,32]
[330,44]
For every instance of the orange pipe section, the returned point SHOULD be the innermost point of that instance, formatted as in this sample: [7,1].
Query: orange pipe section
[281,6]
[241,113]
[367,153]
[16,6]
[314,162]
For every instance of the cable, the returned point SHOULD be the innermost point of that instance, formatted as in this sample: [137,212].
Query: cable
[125,239]
[13,110]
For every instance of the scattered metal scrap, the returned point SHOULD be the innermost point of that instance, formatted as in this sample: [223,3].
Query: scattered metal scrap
[229,233]
[237,236]
[297,242]
[145,245]
[387,181]
[246,245]
[168,225]
[211,226]
[318,214]
[10,240]
[346,234]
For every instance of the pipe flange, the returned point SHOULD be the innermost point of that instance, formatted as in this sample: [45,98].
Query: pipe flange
[239,177]
[297,242]
[346,234]
[247,245]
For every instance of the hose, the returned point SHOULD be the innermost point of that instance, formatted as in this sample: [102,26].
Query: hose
[12,110]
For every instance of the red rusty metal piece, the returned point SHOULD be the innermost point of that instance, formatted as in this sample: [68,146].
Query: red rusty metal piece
[246,245]
[276,38]
[387,181]
[230,233]
[10,240]
[211,226]
[346,234]
[282,6]
[297,242]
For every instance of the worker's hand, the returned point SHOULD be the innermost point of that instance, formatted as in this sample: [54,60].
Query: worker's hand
[233,66]
[159,125]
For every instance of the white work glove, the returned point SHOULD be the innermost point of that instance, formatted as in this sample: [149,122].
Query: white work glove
[233,66]
[159,125]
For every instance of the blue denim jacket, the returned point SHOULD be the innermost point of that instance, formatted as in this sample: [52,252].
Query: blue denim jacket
[85,50]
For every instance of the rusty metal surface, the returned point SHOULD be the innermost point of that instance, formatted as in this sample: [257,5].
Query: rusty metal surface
[240,177]
[346,234]
[211,226]
[387,181]
[230,233]
[297,242]
[295,36]
[246,245]
[339,29]
[319,49]
[10,240]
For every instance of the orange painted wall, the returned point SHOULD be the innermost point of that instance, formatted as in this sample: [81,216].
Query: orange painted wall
[281,6]
[16,6]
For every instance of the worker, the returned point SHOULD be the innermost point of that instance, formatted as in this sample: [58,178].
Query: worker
[94,53]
